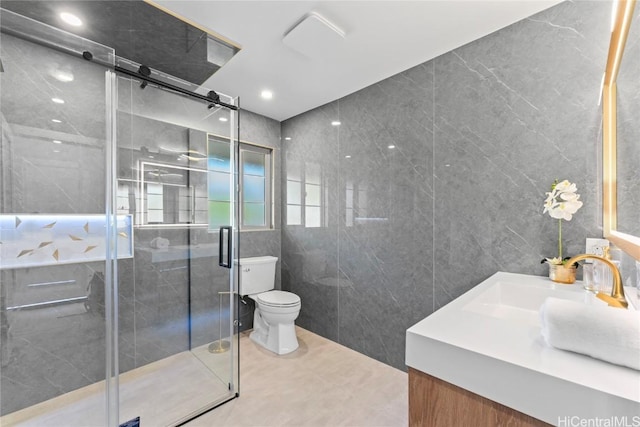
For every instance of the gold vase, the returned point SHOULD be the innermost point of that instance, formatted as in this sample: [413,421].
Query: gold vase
[562,273]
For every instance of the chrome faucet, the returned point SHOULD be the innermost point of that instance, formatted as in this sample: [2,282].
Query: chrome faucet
[616,299]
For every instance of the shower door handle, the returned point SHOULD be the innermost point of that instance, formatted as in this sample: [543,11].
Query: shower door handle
[225,244]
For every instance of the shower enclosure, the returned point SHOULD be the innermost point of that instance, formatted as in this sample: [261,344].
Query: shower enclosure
[118,230]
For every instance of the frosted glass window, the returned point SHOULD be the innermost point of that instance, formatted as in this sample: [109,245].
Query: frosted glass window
[254,178]
[219,182]
[219,186]
[123,199]
[218,155]
[154,189]
[155,217]
[219,213]
[312,195]
[253,163]
[312,217]
[155,203]
[294,193]
[294,215]
[255,175]
[254,189]
[184,204]
[254,214]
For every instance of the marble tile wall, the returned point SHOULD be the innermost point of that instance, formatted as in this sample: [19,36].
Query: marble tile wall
[514,111]
[52,349]
[480,133]
[310,255]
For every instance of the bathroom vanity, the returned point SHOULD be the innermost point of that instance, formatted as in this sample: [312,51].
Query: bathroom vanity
[481,360]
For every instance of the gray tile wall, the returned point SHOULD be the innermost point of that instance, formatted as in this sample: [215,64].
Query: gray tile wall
[47,351]
[480,133]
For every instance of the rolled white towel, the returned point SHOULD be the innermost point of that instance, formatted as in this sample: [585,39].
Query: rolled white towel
[605,333]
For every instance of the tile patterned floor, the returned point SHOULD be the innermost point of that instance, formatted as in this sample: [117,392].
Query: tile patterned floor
[320,384]
[155,392]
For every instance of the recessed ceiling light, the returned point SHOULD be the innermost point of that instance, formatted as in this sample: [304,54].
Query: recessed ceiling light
[391,147]
[266,94]
[58,100]
[71,19]
[288,138]
[56,121]
[347,156]
[63,76]
[335,123]
[151,157]
[56,141]
[56,151]
[223,119]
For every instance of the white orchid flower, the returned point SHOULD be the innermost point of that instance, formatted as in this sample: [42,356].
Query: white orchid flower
[562,203]
[566,187]
[561,212]
[569,196]
[550,202]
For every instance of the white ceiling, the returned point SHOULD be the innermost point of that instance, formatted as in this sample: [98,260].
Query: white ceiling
[382,38]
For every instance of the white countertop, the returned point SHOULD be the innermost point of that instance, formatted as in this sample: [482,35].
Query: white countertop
[497,352]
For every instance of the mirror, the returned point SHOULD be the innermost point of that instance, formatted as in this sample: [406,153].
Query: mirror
[171,195]
[628,133]
[621,134]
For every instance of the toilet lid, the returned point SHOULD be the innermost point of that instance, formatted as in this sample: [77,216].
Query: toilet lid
[278,298]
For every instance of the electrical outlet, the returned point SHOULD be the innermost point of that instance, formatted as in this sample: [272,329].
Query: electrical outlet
[594,246]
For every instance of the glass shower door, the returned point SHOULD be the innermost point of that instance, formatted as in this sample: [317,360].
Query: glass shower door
[176,176]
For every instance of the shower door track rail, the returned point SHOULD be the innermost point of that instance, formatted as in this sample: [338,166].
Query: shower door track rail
[173,87]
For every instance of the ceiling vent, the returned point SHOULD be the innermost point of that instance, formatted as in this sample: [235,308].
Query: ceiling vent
[314,36]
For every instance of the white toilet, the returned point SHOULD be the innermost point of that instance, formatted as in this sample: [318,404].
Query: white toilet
[275,312]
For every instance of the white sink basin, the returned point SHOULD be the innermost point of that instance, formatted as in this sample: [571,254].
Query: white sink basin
[488,341]
[511,300]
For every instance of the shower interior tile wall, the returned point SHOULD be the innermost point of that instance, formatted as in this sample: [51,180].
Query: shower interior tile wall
[480,133]
[41,353]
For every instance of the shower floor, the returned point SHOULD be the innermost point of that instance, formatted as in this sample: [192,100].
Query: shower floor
[160,393]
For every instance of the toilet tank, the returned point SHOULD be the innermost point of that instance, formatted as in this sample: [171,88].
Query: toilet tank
[257,274]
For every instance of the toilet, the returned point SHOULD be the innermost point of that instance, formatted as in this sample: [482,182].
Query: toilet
[276,311]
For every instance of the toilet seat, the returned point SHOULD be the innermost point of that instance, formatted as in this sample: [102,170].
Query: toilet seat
[278,299]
